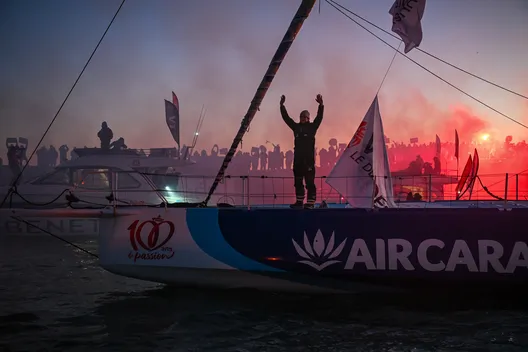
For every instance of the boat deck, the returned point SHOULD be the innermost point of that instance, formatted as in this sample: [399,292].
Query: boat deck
[461,204]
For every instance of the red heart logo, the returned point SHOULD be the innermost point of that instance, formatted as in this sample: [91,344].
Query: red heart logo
[159,229]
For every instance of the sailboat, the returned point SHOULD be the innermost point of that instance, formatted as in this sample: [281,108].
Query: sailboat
[333,249]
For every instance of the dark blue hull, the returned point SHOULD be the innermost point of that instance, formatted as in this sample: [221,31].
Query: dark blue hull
[420,248]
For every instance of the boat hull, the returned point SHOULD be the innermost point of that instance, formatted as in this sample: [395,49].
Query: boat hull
[67,223]
[335,250]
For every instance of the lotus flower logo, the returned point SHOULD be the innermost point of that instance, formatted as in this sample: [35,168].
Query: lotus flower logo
[318,251]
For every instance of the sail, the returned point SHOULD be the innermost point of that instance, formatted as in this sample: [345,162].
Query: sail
[362,175]
[172,116]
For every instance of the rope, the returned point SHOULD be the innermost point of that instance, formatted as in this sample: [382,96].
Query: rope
[53,235]
[486,189]
[431,55]
[62,105]
[390,65]
[431,72]
[381,85]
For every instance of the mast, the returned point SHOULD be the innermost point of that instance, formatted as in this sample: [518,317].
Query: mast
[295,26]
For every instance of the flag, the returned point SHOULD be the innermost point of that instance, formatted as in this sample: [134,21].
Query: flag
[474,172]
[463,178]
[175,101]
[172,116]
[362,175]
[457,145]
[406,21]
[438,147]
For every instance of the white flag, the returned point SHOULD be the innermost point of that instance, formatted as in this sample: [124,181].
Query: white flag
[406,21]
[362,175]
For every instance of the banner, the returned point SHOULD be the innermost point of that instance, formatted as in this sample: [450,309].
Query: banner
[362,174]
[463,179]
[172,116]
[406,21]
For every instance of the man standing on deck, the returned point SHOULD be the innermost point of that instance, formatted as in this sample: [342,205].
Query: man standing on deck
[105,135]
[304,152]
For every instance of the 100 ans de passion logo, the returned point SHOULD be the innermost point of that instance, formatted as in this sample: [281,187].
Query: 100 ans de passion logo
[393,254]
[149,238]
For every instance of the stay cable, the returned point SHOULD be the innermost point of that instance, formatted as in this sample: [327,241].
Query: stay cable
[429,54]
[63,103]
[426,69]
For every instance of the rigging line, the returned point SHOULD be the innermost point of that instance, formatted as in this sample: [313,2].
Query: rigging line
[429,54]
[57,237]
[390,65]
[63,103]
[431,72]
[381,85]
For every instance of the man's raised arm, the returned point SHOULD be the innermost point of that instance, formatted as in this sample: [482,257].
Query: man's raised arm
[284,113]
[320,111]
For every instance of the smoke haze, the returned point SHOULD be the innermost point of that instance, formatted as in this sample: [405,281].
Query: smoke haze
[215,53]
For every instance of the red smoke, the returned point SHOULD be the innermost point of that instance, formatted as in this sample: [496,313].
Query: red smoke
[468,125]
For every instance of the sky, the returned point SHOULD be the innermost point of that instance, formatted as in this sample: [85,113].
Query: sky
[216,53]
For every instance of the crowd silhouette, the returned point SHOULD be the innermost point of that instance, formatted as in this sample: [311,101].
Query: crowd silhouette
[269,159]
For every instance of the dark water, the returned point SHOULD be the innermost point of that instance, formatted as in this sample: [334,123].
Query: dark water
[53,297]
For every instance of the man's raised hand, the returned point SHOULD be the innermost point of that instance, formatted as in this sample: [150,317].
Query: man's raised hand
[283,99]
[319,99]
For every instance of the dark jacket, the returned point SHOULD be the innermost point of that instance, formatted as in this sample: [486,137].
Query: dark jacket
[105,135]
[304,146]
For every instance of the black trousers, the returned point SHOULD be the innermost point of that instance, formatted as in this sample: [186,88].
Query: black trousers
[304,172]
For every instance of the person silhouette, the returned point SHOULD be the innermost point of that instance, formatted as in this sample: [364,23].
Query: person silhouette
[105,135]
[304,152]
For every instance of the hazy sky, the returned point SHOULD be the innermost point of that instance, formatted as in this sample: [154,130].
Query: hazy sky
[215,52]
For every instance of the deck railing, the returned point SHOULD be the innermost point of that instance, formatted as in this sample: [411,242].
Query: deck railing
[250,190]
[276,191]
